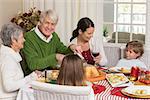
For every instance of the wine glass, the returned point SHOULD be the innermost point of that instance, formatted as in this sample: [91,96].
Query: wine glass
[95,52]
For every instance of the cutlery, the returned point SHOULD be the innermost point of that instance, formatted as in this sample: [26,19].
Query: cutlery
[80,56]
[123,83]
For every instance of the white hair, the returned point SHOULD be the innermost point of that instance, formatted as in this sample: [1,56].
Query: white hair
[51,14]
[8,32]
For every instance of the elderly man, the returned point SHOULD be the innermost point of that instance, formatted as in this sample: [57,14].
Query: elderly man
[43,48]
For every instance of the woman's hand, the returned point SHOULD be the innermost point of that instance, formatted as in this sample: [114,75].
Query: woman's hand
[31,77]
[76,48]
[97,59]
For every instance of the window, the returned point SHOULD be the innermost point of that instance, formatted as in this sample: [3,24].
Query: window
[124,20]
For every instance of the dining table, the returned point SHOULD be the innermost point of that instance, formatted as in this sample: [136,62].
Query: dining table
[103,90]
[106,92]
[112,93]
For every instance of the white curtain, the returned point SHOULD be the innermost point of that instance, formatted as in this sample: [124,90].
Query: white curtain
[146,56]
[148,27]
[70,11]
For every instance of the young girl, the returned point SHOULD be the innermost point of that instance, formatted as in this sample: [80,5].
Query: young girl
[71,71]
[133,51]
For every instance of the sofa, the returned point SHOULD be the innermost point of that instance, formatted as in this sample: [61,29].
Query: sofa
[124,37]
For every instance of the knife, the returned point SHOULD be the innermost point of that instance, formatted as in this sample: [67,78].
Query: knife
[80,56]
[123,83]
[84,61]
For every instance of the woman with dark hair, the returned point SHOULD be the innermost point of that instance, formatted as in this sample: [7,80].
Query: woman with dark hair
[83,36]
[71,71]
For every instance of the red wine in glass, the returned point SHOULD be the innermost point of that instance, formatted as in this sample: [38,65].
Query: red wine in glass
[95,54]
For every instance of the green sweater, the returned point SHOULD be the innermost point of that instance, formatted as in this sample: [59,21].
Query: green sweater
[39,55]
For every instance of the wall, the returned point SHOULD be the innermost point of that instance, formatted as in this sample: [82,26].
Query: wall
[8,8]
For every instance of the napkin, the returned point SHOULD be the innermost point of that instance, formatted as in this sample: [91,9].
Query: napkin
[117,91]
[98,88]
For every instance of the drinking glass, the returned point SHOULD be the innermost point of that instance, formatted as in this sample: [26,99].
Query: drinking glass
[95,54]
[95,50]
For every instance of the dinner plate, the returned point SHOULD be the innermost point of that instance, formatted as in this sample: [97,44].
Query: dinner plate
[137,91]
[118,80]
[120,70]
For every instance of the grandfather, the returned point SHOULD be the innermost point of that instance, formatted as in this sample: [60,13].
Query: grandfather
[43,48]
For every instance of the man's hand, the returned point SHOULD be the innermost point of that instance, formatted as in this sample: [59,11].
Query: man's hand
[59,58]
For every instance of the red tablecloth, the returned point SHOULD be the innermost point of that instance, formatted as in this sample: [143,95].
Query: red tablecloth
[107,94]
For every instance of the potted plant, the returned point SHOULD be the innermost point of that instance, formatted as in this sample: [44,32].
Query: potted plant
[105,32]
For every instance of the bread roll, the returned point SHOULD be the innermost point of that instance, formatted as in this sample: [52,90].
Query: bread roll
[95,72]
[91,71]
[88,72]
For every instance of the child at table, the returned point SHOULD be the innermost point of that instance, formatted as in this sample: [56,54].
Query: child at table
[71,71]
[133,51]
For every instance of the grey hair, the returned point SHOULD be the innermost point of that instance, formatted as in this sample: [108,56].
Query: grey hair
[8,32]
[51,14]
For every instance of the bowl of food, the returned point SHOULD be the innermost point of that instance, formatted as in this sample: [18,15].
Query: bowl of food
[118,80]
[53,74]
[145,77]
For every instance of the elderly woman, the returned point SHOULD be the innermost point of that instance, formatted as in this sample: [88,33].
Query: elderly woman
[11,74]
